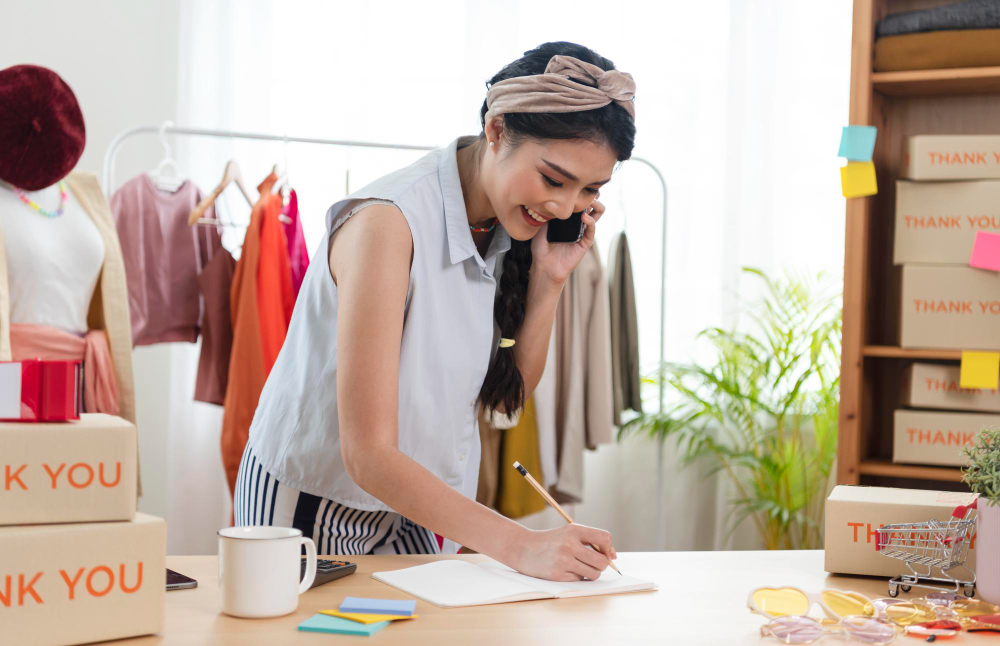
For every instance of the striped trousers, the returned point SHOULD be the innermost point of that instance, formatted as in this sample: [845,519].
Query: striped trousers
[336,529]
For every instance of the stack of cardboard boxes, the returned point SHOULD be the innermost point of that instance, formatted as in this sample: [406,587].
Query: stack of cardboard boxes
[77,562]
[951,191]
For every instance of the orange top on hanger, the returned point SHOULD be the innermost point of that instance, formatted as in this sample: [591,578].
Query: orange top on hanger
[275,293]
[261,303]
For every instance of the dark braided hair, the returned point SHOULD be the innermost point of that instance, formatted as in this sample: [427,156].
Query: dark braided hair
[503,388]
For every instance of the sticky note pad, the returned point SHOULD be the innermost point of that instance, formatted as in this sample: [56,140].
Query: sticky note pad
[857,179]
[365,618]
[338,626]
[986,251]
[980,370]
[378,606]
[857,143]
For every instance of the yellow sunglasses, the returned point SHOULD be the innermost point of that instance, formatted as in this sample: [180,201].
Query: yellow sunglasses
[905,612]
[789,601]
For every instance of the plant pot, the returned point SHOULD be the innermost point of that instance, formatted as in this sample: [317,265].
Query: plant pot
[988,552]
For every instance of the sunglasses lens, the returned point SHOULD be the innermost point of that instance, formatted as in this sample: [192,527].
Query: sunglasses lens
[982,622]
[941,598]
[882,604]
[794,630]
[989,619]
[973,607]
[907,613]
[868,630]
[778,602]
[847,603]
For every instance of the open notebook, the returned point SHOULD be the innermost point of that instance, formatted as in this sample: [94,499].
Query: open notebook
[454,583]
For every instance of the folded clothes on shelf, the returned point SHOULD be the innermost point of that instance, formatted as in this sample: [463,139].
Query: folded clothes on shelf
[938,50]
[967,14]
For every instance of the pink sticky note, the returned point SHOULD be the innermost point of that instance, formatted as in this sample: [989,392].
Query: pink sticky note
[986,251]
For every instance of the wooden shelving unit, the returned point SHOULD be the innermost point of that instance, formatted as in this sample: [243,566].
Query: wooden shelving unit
[890,470]
[900,104]
[968,80]
[895,352]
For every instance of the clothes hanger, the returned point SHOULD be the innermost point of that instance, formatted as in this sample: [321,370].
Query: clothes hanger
[161,179]
[284,181]
[277,188]
[280,185]
[230,175]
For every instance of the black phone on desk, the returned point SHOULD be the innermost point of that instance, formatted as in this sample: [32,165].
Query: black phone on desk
[327,570]
[177,581]
[568,230]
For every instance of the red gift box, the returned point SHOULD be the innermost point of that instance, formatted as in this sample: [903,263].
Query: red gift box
[40,391]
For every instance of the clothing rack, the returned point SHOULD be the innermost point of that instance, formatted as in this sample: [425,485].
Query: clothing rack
[107,182]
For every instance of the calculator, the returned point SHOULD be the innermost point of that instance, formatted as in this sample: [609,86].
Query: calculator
[327,571]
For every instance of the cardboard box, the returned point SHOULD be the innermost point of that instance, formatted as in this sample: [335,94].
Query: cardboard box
[933,437]
[950,307]
[936,222]
[951,157]
[82,582]
[854,514]
[64,472]
[931,385]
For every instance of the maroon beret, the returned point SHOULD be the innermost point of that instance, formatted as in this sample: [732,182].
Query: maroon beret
[41,127]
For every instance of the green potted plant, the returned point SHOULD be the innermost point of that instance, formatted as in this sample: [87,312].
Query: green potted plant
[982,474]
[763,410]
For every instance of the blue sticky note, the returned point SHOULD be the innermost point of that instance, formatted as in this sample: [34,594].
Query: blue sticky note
[857,143]
[327,624]
[379,606]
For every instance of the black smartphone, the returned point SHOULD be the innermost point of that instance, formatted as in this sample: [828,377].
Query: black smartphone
[568,230]
[177,581]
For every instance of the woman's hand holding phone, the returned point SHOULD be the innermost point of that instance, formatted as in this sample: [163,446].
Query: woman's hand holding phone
[558,259]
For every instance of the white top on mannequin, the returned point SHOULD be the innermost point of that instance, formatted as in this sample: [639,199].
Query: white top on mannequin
[53,263]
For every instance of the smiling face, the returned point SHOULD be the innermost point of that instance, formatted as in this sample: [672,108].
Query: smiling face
[539,181]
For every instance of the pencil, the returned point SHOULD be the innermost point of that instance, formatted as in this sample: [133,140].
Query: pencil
[552,501]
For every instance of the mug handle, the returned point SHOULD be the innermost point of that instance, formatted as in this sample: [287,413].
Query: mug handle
[310,576]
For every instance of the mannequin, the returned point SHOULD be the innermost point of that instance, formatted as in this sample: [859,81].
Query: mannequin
[57,292]
[62,280]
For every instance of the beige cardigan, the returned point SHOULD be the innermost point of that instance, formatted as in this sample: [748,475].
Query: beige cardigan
[109,304]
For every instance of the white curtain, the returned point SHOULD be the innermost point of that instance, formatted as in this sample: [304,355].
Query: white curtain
[738,103]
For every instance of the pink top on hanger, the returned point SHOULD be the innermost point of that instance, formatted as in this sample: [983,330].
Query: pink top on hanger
[298,254]
[163,256]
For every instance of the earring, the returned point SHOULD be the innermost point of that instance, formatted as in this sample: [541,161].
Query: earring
[491,144]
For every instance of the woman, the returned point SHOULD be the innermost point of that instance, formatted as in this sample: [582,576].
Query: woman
[366,436]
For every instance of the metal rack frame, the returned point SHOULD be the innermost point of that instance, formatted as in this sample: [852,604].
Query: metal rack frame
[107,181]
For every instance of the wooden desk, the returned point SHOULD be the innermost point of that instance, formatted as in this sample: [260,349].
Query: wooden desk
[701,600]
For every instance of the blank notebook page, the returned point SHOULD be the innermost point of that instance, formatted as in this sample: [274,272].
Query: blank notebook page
[610,582]
[458,583]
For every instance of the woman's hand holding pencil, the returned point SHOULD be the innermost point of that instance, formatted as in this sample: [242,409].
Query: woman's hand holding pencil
[575,552]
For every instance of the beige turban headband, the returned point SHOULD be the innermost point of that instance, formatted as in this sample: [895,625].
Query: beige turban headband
[555,91]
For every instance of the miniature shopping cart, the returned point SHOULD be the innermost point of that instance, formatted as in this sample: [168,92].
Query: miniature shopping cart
[925,547]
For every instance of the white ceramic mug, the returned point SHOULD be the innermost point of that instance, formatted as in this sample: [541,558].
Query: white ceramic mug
[259,570]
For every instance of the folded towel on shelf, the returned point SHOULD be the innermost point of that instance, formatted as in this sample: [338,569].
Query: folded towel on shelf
[967,14]
[938,50]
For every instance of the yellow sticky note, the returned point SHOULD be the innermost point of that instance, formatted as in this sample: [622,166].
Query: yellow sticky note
[857,179]
[364,618]
[980,370]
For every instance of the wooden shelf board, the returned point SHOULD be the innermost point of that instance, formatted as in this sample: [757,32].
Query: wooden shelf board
[894,352]
[882,468]
[963,80]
